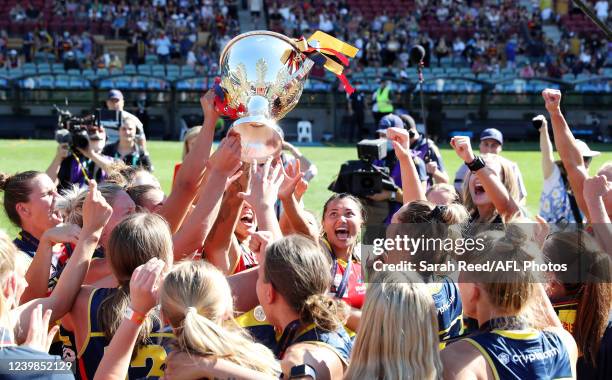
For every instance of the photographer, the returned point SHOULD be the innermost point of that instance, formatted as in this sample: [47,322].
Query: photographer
[557,201]
[131,147]
[116,102]
[72,165]
[381,206]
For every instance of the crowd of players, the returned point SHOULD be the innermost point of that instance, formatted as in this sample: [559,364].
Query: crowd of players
[229,276]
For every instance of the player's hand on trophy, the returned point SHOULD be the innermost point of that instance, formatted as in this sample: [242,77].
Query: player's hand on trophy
[207,102]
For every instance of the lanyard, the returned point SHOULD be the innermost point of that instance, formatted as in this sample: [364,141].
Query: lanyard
[341,289]
[288,337]
[26,243]
[76,158]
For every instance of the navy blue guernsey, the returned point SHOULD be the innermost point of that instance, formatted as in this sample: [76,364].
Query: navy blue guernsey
[338,340]
[148,361]
[526,354]
[446,298]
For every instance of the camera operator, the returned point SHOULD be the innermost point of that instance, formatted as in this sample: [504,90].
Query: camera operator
[116,102]
[131,147]
[427,151]
[72,165]
[380,207]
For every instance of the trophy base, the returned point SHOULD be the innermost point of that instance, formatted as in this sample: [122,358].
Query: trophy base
[261,138]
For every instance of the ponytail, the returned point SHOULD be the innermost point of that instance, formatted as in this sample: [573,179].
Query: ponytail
[592,318]
[196,300]
[17,189]
[324,311]
[110,315]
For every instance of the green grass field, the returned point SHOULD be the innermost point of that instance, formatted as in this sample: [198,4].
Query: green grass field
[19,155]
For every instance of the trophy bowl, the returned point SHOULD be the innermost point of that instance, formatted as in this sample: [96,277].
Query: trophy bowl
[262,75]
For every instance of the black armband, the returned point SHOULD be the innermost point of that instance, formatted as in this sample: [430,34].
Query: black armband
[476,165]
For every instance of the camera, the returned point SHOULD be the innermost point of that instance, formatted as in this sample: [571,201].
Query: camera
[361,177]
[72,130]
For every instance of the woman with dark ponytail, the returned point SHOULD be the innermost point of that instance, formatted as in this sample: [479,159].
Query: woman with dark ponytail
[30,199]
[582,298]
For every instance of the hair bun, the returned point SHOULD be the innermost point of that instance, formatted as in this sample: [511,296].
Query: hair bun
[515,236]
[4,178]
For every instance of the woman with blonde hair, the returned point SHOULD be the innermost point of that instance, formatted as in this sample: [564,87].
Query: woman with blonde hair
[508,345]
[398,338]
[197,301]
[490,189]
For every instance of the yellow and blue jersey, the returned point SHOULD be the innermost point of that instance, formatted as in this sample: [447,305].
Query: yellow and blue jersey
[446,298]
[146,363]
[523,354]
[263,332]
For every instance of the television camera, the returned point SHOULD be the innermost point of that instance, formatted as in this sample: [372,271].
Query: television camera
[73,130]
[361,177]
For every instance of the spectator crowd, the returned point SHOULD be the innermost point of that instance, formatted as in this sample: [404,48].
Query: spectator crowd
[180,32]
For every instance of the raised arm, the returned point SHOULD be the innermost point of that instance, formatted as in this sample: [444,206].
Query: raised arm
[96,212]
[221,246]
[495,189]
[190,174]
[411,183]
[102,161]
[546,148]
[144,287]
[63,151]
[293,212]
[595,189]
[192,234]
[37,275]
[567,148]
[262,194]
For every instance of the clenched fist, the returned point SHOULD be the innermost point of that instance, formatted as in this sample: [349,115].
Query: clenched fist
[552,100]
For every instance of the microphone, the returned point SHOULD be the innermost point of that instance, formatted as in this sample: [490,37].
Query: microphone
[417,54]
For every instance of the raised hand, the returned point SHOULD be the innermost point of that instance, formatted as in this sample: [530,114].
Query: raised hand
[292,176]
[144,285]
[463,148]
[300,189]
[400,140]
[39,336]
[595,187]
[431,167]
[265,182]
[227,156]
[544,122]
[96,211]
[259,242]
[207,102]
[552,99]
[66,233]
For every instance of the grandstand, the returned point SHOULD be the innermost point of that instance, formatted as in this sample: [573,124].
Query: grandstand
[52,51]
